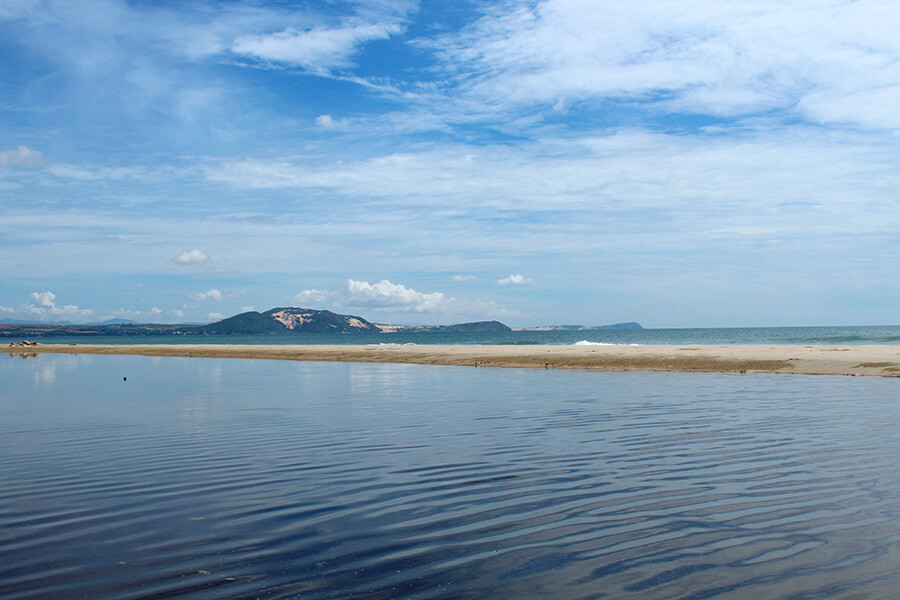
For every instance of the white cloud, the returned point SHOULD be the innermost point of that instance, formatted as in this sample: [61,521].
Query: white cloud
[703,56]
[21,157]
[313,296]
[624,173]
[155,311]
[464,278]
[313,49]
[43,299]
[515,280]
[192,257]
[7,310]
[214,316]
[325,121]
[163,70]
[329,122]
[210,295]
[43,305]
[84,174]
[387,295]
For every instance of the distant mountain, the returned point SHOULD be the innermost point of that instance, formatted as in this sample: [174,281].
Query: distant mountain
[20,322]
[113,322]
[66,323]
[287,320]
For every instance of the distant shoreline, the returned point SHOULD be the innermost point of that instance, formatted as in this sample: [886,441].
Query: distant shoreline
[880,360]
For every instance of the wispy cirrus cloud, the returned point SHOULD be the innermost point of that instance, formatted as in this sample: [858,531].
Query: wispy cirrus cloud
[705,180]
[313,49]
[702,56]
[164,68]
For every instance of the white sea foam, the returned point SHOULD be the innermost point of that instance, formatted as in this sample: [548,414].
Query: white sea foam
[587,343]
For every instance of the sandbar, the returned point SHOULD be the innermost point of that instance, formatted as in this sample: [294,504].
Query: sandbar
[881,360]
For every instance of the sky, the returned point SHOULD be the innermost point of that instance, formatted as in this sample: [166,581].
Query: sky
[689,163]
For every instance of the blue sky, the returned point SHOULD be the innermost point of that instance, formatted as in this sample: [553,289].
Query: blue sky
[681,164]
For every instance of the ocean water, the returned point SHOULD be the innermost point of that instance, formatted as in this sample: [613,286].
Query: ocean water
[134,477]
[737,335]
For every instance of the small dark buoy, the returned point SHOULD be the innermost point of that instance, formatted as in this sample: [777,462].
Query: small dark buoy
[124,379]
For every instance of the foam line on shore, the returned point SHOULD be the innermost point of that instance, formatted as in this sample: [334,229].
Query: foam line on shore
[819,360]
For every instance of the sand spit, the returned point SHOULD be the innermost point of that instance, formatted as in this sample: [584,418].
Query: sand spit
[881,361]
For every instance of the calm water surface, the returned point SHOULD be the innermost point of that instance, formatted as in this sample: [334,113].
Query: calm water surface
[207,478]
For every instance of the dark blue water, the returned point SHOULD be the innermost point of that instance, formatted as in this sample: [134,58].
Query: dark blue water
[715,336]
[205,478]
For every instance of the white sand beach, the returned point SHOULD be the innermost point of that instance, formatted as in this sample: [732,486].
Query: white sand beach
[880,360]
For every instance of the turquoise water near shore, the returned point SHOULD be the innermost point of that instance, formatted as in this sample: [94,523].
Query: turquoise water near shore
[215,479]
[737,335]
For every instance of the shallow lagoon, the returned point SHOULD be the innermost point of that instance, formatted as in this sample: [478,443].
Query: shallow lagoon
[208,478]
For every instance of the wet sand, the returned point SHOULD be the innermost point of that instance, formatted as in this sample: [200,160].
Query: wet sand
[818,360]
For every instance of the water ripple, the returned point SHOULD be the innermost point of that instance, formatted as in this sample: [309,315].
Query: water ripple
[373,481]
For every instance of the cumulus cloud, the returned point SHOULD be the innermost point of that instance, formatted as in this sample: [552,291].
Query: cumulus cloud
[21,157]
[210,295]
[387,295]
[43,299]
[329,122]
[314,49]
[515,280]
[313,296]
[43,305]
[192,257]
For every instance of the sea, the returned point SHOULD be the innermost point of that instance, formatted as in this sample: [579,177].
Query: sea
[129,477]
[881,334]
